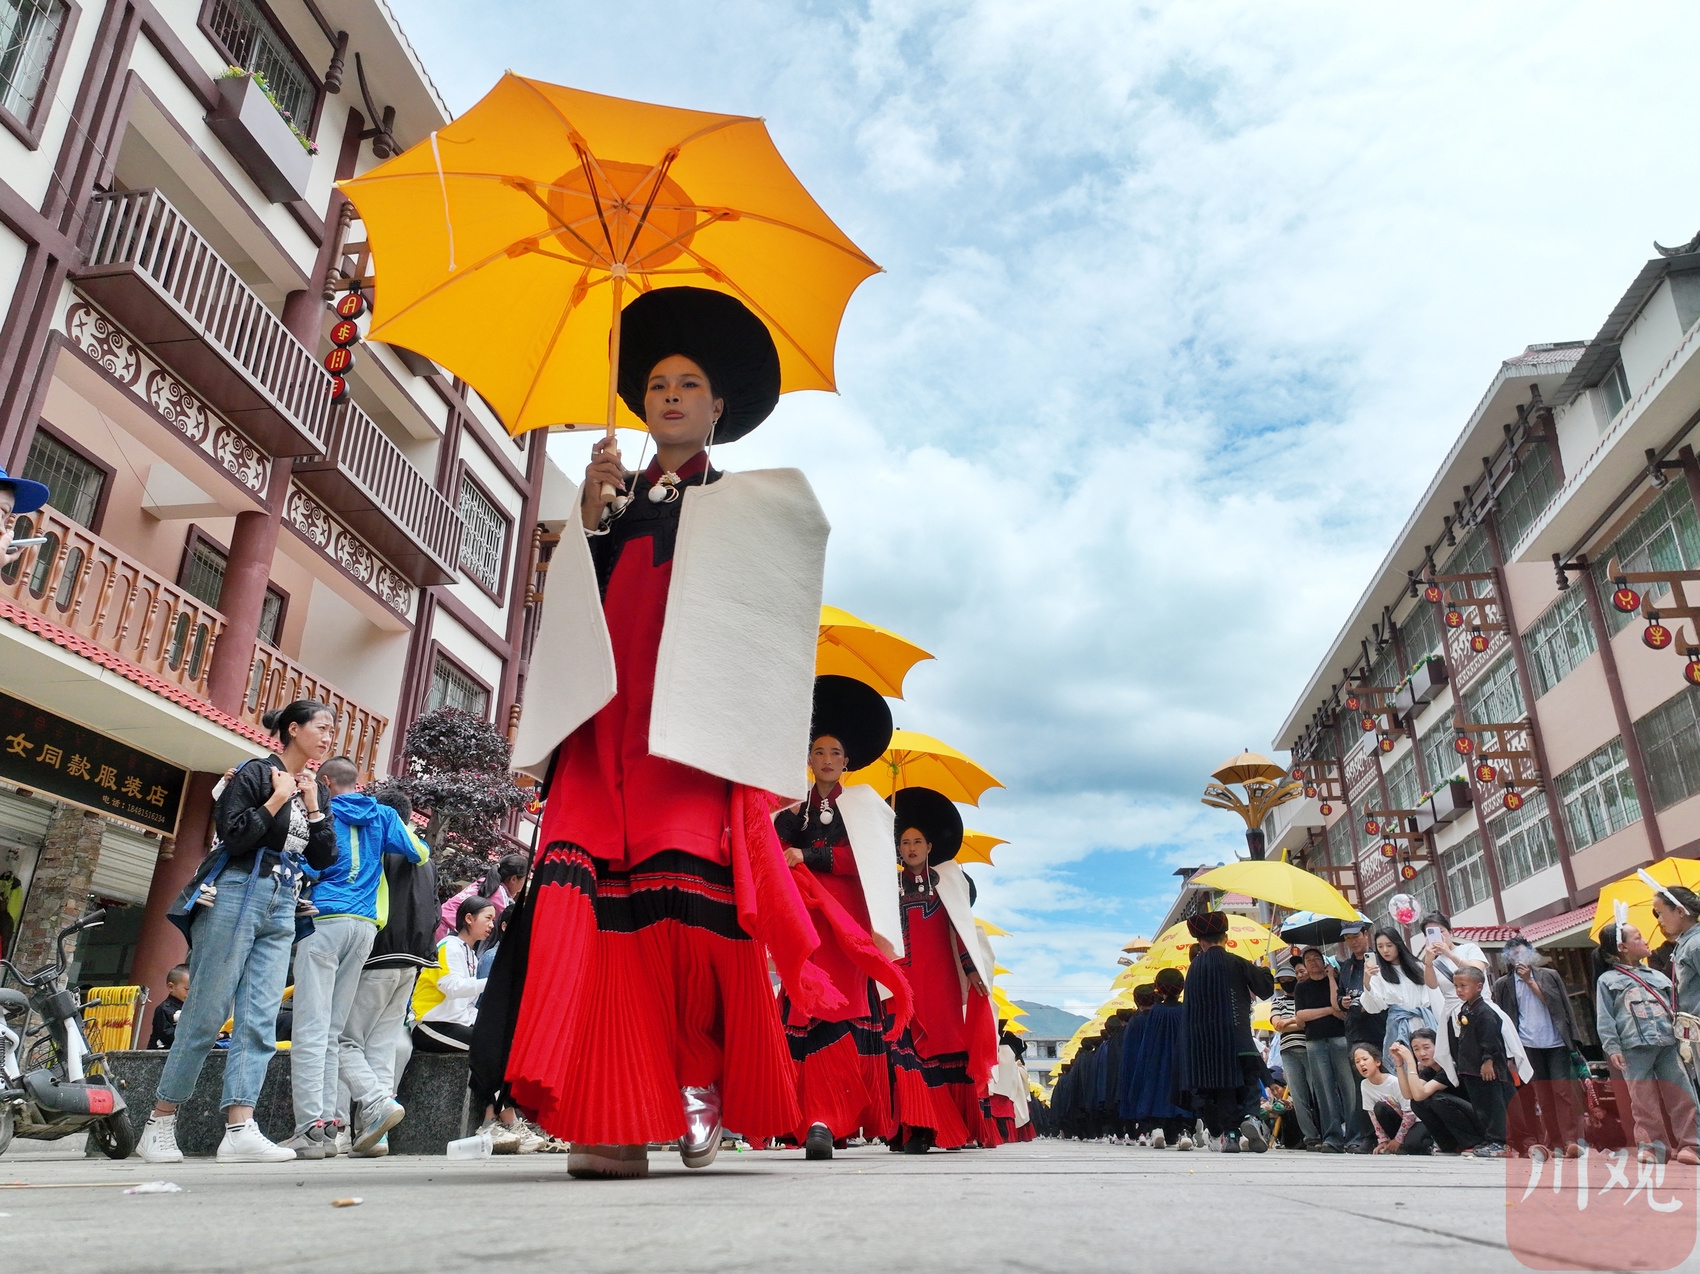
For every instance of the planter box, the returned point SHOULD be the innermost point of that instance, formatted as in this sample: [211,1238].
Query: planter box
[253,131]
[1450,801]
[1423,685]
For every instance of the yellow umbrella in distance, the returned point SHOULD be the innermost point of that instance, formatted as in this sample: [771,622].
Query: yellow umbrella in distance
[987,927]
[1173,950]
[505,244]
[1010,1007]
[998,970]
[1280,883]
[919,760]
[977,848]
[1636,892]
[1260,1016]
[852,647]
[1015,1028]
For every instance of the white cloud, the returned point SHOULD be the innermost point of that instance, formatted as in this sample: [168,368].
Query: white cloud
[1184,304]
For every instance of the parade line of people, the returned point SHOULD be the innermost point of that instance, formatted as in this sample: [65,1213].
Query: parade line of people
[701,947]
[1377,1050]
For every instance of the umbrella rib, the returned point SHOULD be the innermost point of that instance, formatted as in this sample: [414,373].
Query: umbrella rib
[715,272]
[423,297]
[554,339]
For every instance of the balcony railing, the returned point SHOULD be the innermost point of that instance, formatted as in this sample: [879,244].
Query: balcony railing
[366,480]
[153,272]
[80,582]
[277,679]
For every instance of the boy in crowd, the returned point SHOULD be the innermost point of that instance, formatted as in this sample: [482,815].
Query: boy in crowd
[1476,1038]
[166,1011]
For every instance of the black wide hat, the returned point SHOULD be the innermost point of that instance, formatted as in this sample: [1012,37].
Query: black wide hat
[855,714]
[715,331]
[935,816]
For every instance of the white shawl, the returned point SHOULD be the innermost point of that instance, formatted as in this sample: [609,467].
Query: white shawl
[869,823]
[734,678]
[1513,1044]
[953,893]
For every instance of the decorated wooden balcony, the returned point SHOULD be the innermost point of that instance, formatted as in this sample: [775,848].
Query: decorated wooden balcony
[277,679]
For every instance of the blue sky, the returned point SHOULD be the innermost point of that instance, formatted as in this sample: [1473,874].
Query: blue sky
[1183,304]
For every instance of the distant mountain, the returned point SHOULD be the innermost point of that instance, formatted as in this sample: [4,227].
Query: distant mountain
[1048,1022]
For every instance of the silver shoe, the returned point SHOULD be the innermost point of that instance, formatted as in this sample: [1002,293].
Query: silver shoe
[701,1141]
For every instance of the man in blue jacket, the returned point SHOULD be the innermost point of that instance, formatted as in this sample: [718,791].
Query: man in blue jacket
[328,961]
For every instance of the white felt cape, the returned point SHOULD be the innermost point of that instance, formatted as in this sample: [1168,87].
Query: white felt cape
[869,823]
[953,893]
[734,678]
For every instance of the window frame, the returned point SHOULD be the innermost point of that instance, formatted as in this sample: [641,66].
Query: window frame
[1475,697]
[108,472]
[1536,642]
[441,653]
[1525,820]
[1572,795]
[1650,751]
[1616,379]
[29,131]
[499,593]
[1514,508]
[204,22]
[1469,861]
[197,535]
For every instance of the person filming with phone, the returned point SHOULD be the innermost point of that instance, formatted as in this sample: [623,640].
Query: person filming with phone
[18,495]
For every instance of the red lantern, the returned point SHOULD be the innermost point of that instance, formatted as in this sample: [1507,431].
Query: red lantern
[1371,827]
[1513,799]
[1298,773]
[1353,703]
[1627,600]
[1486,773]
[1478,642]
[1432,593]
[1389,849]
[339,388]
[339,360]
[1310,789]
[1326,809]
[1691,670]
[534,806]
[1657,636]
[1454,618]
[1408,871]
[351,306]
[345,333]
[1368,724]
[1463,745]
[1386,744]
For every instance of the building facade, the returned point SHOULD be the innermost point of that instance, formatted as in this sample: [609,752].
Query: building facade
[1510,716]
[232,527]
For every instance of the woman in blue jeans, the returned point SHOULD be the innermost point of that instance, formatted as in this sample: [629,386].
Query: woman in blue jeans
[271,816]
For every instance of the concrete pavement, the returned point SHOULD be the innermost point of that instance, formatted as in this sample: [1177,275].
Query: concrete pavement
[1053,1206]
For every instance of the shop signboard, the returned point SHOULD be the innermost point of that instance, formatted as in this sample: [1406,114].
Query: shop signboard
[59,758]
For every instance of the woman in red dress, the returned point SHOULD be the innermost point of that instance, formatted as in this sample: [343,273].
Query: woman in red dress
[835,841]
[630,1002]
[942,1065]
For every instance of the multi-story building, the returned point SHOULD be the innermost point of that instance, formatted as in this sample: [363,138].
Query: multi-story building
[230,528]
[1501,725]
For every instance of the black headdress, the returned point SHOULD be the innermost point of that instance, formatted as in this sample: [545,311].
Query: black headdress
[855,714]
[715,331]
[934,816]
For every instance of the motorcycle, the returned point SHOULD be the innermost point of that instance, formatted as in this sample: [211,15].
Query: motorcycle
[57,1086]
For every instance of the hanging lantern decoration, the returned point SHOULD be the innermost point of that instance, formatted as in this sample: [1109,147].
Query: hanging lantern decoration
[1298,773]
[1389,849]
[345,334]
[1478,640]
[1371,827]
[1454,618]
[1386,744]
[339,360]
[339,388]
[1368,724]
[351,305]
[1691,671]
[1310,790]
[534,806]
[1657,636]
[1486,772]
[1408,871]
[1513,798]
[1432,593]
[1626,599]
[1463,745]
[1326,809]
[1353,703]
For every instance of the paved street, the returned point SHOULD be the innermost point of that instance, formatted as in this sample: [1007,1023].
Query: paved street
[1060,1206]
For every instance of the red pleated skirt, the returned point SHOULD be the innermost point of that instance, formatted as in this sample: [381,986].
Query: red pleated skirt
[639,983]
[843,1071]
[935,1093]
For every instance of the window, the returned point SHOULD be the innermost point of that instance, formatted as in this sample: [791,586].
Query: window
[1440,759]
[1527,492]
[1559,640]
[250,40]
[29,36]
[1421,632]
[484,544]
[1598,795]
[1424,890]
[1386,671]
[454,687]
[202,576]
[1666,537]
[1614,390]
[1670,741]
[1495,699]
[77,484]
[1402,786]
[1523,840]
[1473,557]
[1466,873]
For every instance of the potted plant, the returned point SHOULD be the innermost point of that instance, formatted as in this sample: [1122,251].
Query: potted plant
[1450,800]
[268,144]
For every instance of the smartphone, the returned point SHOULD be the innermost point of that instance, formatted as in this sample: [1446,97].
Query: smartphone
[1432,933]
[36,542]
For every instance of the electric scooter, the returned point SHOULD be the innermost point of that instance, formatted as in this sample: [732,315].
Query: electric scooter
[64,1090]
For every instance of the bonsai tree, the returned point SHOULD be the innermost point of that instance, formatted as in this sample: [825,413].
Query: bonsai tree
[455,772]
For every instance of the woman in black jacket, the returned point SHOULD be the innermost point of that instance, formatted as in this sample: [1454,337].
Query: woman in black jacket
[272,815]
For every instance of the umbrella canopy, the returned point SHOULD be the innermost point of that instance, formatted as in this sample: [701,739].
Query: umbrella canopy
[1173,948]
[1138,945]
[852,647]
[990,929]
[1016,1028]
[1307,929]
[1280,883]
[1634,891]
[505,244]
[1248,767]
[1260,1016]
[919,760]
[977,848]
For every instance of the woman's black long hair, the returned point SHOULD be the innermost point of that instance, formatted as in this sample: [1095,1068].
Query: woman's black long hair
[1605,954]
[1406,965]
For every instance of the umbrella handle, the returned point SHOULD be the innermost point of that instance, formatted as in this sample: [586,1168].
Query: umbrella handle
[617,274]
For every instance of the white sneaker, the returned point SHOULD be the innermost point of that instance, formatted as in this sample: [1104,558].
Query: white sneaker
[1185,1143]
[308,1143]
[245,1143]
[1158,1140]
[159,1140]
[531,1138]
[376,1126]
[504,1138]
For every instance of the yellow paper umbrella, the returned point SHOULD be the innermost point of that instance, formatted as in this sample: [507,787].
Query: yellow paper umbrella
[1280,883]
[1008,1006]
[1635,891]
[998,970]
[505,243]
[852,647]
[1015,1028]
[1260,1016]
[987,927]
[919,760]
[977,848]
[1173,950]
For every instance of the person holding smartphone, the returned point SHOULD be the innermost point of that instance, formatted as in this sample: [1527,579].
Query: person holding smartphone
[18,495]
[1443,957]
